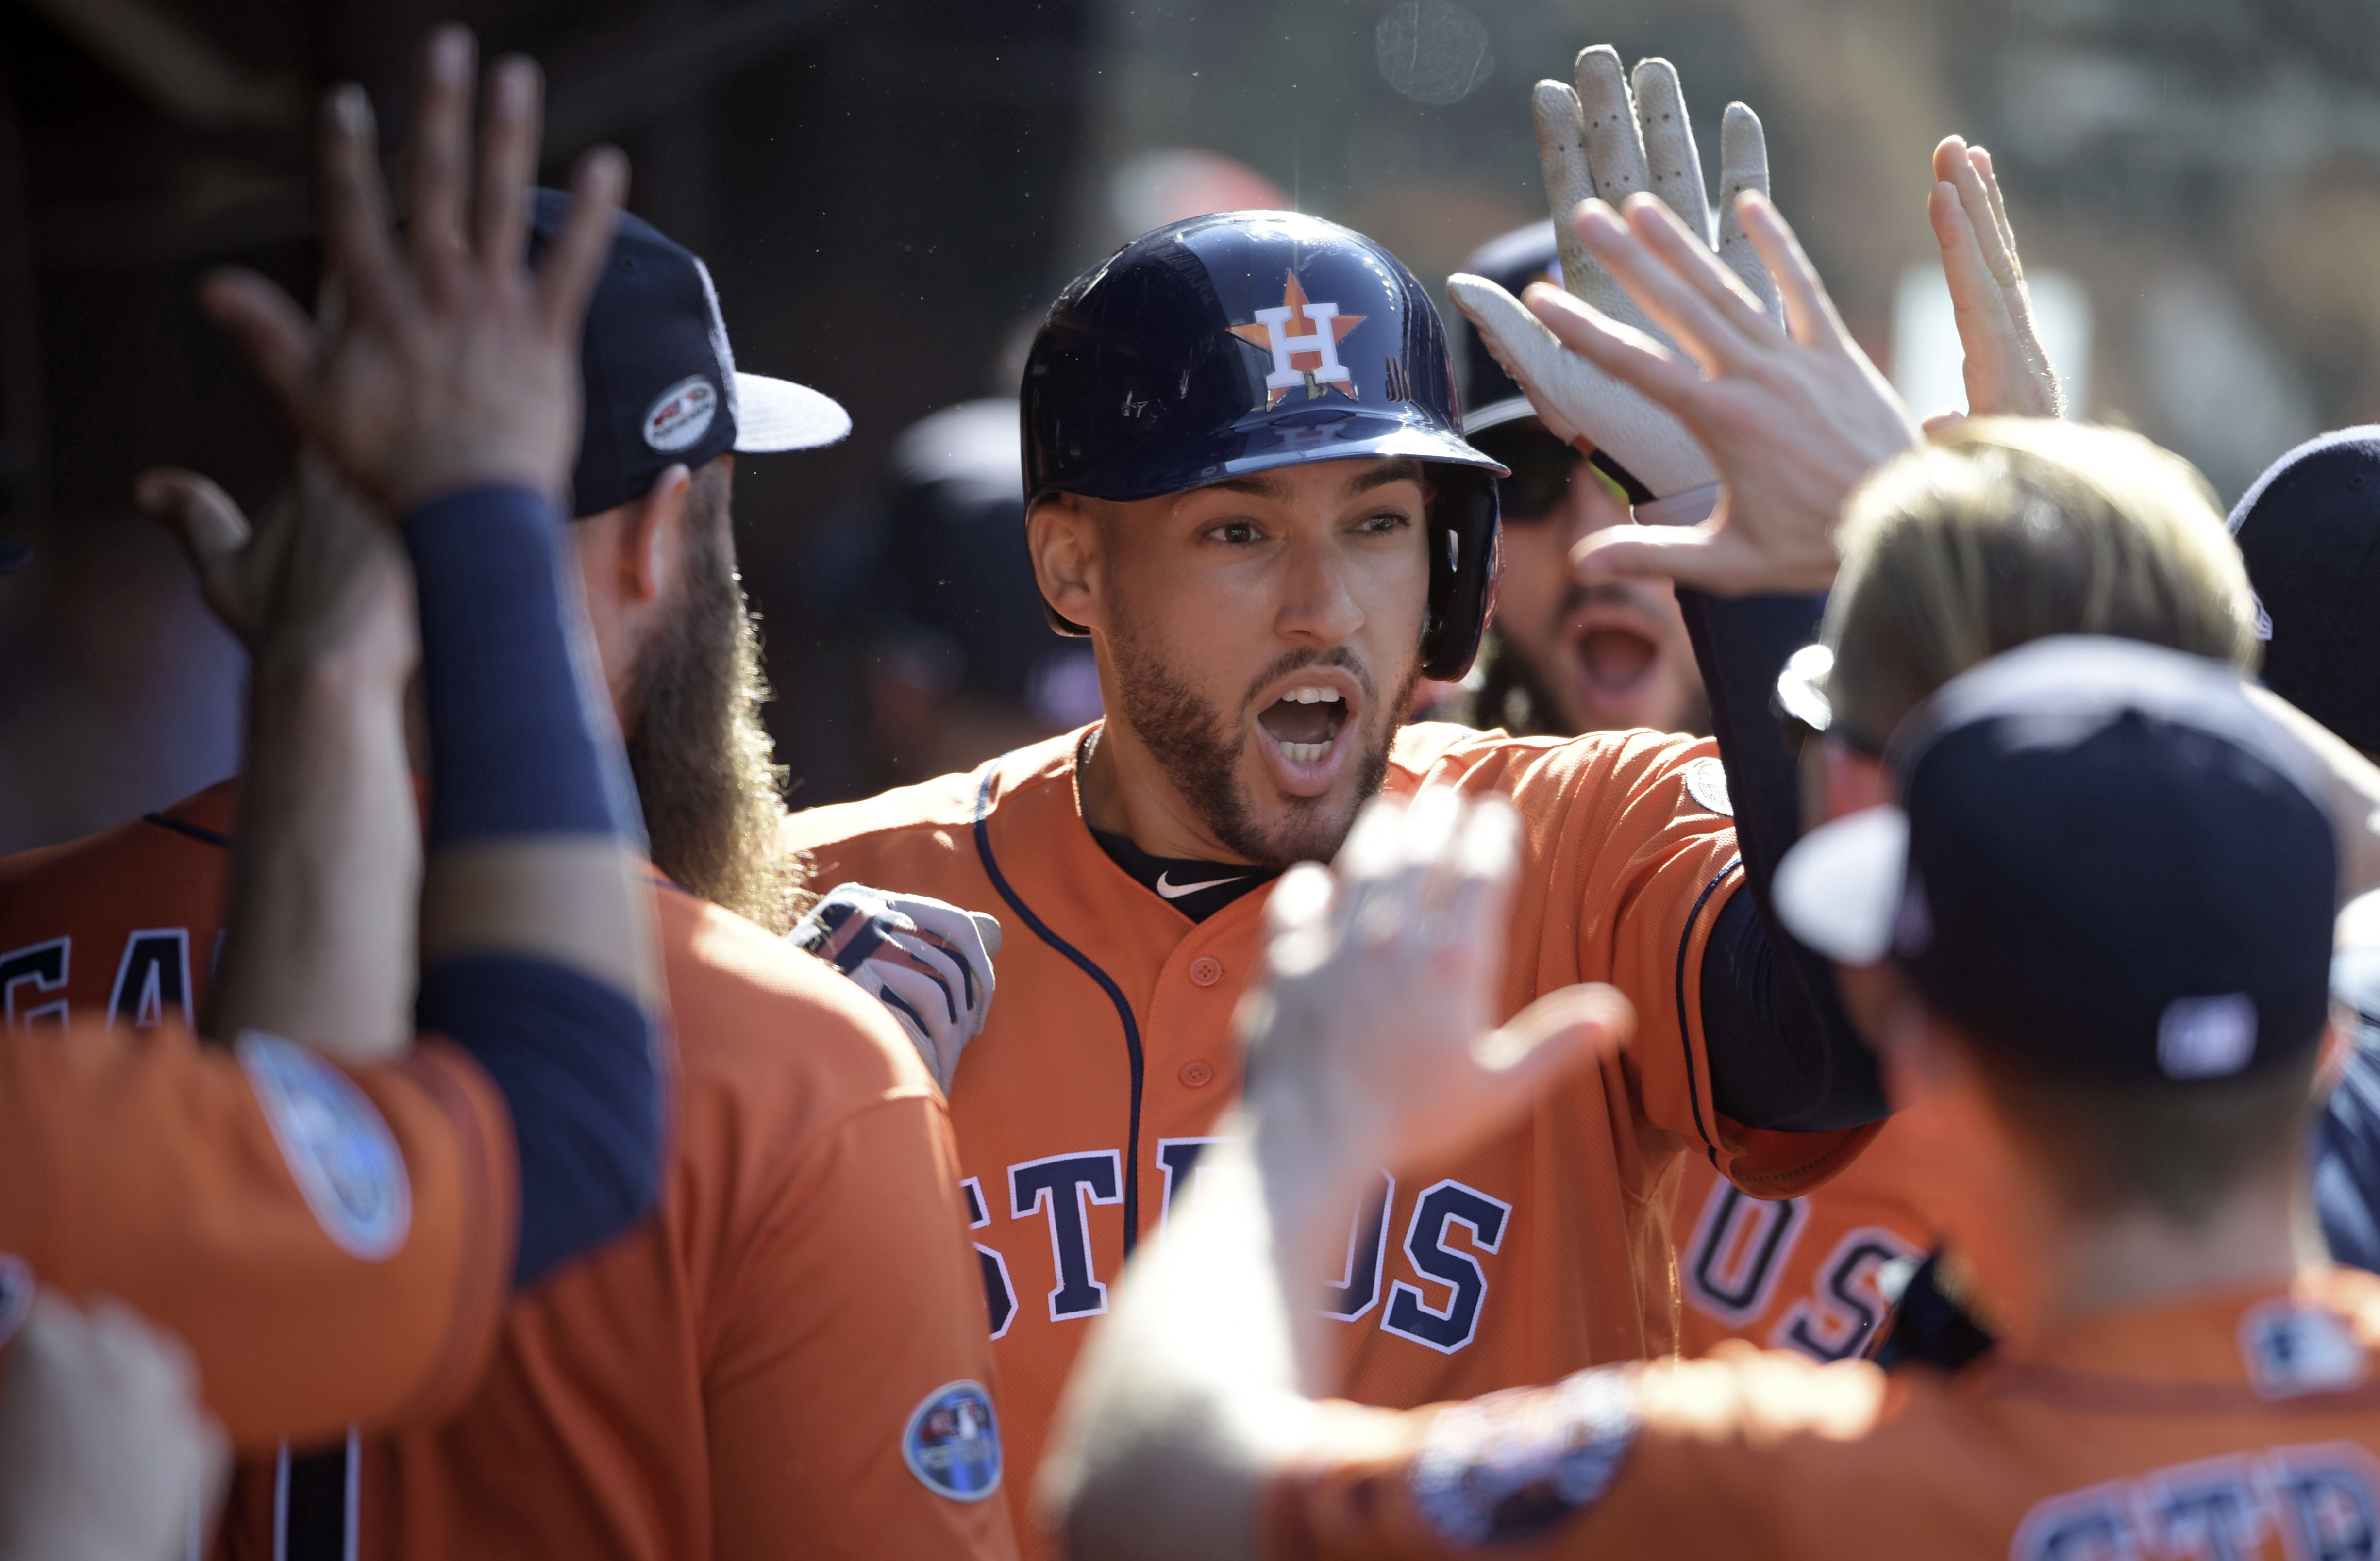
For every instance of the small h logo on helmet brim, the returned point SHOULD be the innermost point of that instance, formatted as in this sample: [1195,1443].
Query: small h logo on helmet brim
[1308,357]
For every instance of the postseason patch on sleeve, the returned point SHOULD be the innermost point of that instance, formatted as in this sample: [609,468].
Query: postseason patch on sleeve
[1511,1465]
[952,1443]
[339,1150]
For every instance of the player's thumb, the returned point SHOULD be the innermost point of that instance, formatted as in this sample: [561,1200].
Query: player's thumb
[1522,343]
[1561,1030]
[200,515]
[1682,553]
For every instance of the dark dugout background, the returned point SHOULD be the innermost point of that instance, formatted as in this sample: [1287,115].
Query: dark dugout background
[884,190]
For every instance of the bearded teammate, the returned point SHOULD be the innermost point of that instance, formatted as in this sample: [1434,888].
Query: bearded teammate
[793,1343]
[2092,941]
[334,1243]
[1247,489]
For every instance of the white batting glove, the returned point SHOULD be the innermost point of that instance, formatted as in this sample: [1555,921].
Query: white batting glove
[927,962]
[1604,140]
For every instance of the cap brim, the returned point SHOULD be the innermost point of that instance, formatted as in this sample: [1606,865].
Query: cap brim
[1839,890]
[781,415]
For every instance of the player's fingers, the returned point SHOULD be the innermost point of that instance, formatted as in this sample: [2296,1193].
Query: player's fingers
[1626,354]
[1685,554]
[1673,166]
[1519,341]
[568,278]
[1469,903]
[932,995]
[1980,161]
[270,328]
[1810,316]
[438,153]
[948,965]
[1978,299]
[1615,146]
[1556,1033]
[508,164]
[1976,201]
[1941,422]
[355,209]
[1561,159]
[987,928]
[1734,311]
[1368,864]
[1744,165]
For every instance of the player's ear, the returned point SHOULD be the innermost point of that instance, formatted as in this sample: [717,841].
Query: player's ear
[2337,1045]
[653,538]
[1063,532]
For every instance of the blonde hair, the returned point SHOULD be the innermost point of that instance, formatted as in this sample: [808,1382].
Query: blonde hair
[2008,529]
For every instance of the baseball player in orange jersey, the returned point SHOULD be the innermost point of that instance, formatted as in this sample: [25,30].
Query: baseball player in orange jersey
[1247,489]
[2096,933]
[727,1374]
[333,1245]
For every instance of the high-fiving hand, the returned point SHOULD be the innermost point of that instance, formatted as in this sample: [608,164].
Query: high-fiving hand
[1605,141]
[1373,1038]
[2008,370]
[1793,417]
[452,365]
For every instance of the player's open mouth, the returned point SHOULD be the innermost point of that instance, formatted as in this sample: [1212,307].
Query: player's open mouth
[1612,656]
[1302,726]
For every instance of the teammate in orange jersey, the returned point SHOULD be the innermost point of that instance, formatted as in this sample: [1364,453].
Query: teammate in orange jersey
[2092,941]
[333,1245]
[1248,491]
[794,1343]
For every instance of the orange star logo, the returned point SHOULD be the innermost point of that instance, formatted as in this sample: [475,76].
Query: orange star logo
[1308,357]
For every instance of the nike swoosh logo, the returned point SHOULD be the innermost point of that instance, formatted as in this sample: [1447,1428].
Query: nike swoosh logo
[1175,891]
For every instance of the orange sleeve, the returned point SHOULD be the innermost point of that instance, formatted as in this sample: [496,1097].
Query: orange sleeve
[1642,863]
[854,1365]
[332,1247]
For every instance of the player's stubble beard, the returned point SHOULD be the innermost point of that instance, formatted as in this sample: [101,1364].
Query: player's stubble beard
[1198,746]
[704,767]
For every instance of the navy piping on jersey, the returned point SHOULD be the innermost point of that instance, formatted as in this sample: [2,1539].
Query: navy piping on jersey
[166,820]
[1107,984]
[1686,1033]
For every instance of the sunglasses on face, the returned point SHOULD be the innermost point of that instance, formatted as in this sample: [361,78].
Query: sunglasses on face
[1542,470]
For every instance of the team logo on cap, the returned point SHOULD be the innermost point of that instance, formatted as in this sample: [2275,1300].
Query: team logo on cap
[952,1442]
[1308,357]
[681,414]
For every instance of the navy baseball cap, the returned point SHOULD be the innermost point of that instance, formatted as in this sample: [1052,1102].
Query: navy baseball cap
[2106,859]
[2309,531]
[1512,261]
[661,386]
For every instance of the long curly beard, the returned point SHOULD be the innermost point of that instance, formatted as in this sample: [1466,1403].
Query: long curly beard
[713,794]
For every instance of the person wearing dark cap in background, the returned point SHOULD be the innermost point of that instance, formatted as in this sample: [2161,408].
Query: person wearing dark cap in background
[726,1374]
[2309,530]
[1564,656]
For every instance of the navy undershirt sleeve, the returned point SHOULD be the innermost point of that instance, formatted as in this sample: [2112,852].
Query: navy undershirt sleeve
[1782,1052]
[520,748]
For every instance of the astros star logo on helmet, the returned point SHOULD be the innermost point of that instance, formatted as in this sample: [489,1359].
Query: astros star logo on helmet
[1308,357]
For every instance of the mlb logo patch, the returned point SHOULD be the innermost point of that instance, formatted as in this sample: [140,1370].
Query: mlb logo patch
[952,1442]
[2292,1350]
[338,1148]
[682,414]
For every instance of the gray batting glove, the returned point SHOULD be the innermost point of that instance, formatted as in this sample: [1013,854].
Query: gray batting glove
[927,962]
[1602,139]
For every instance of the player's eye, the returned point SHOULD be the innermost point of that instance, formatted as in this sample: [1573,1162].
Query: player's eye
[1236,533]
[1384,523]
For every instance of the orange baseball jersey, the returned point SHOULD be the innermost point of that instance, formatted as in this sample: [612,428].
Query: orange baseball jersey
[1813,1274]
[2216,1428]
[1108,1056]
[792,1346]
[333,1246]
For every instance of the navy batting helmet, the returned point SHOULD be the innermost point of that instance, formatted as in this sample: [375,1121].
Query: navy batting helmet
[1248,340]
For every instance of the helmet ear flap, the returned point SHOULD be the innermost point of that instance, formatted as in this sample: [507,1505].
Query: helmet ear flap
[1466,556]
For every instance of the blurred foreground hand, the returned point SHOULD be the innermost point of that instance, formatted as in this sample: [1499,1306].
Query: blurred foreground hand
[105,1452]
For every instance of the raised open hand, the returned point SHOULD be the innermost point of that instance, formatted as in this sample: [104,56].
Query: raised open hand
[453,367]
[1605,141]
[2008,371]
[1374,1037]
[1793,417]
